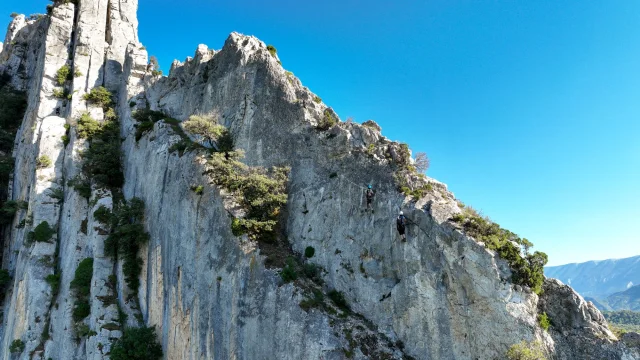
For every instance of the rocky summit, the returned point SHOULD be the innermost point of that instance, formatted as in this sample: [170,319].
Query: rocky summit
[219,212]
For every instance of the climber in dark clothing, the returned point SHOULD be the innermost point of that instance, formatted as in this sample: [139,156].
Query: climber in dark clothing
[369,194]
[401,223]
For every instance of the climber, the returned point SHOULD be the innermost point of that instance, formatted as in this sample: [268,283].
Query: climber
[369,193]
[401,223]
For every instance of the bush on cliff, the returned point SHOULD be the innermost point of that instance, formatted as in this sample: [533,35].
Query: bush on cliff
[137,344]
[262,193]
[526,351]
[527,269]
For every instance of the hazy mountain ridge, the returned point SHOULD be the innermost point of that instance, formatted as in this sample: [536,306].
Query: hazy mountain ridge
[598,279]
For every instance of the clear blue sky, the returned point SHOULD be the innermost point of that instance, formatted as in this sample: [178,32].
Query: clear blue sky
[529,110]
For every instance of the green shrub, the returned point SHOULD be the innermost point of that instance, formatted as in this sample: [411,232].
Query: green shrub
[44,161]
[81,185]
[310,271]
[42,233]
[63,74]
[317,99]
[338,299]
[272,50]
[81,282]
[99,96]
[9,210]
[57,194]
[206,127]
[87,126]
[317,300]
[289,273]
[526,270]
[309,251]
[137,344]
[5,278]
[82,330]
[81,310]
[199,189]
[65,140]
[17,346]
[142,128]
[60,93]
[327,121]
[262,193]
[543,320]
[125,239]
[103,215]
[101,162]
[54,281]
[526,351]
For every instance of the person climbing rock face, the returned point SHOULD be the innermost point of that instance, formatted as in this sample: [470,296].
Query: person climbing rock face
[369,193]
[401,223]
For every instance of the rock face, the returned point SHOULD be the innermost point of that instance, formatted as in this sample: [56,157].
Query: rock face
[209,293]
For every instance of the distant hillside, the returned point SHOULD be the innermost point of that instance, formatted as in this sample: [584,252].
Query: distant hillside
[626,320]
[598,279]
[625,300]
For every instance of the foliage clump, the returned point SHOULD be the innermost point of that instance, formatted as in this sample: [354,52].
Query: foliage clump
[261,192]
[42,233]
[9,210]
[137,344]
[206,127]
[526,268]
[43,162]
[289,272]
[127,234]
[272,50]
[526,351]
[544,321]
[17,346]
[327,121]
[63,74]
[309,251]
[81,284]
[101,161]
[99,96]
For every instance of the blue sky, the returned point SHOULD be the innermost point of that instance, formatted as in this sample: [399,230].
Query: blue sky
[528,110]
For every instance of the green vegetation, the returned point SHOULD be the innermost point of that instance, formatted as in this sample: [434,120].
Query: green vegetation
[101,162]
[9,210]
[81,284]
[13,105]
[262,193]
[199,189]
[338,299]
[289,273]
[206,127]
[63,74]
[17,346]
[99,96]
[5,278]
[623,321]
[272,50]
[544,322]
[81,185]
[309,251]
[54,281]
[527,269]
[137,344]
[327,121]
[42,233]
[526,351]
[60,93]
[44,161]
[146,118]
[317,300]
[317,99]
[127,234]
[87,127]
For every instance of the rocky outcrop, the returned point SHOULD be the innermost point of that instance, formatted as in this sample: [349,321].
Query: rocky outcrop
[210,293]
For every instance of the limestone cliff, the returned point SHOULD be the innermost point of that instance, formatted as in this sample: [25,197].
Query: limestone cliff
[210,292]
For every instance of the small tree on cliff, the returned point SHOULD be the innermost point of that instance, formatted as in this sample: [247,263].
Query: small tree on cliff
[206,127]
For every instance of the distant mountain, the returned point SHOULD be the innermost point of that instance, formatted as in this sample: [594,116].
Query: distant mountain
[598,279]
[625,300]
